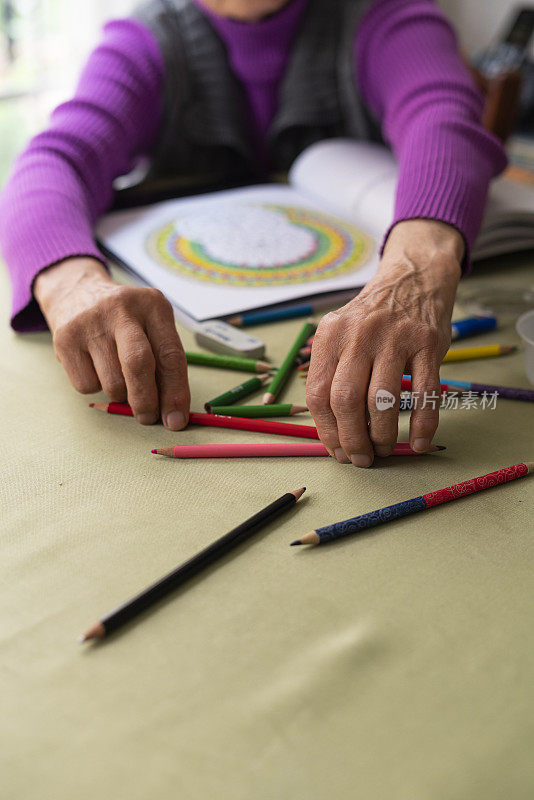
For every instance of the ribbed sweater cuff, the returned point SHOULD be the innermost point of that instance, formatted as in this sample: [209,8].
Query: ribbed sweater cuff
[444,175]
[56,246]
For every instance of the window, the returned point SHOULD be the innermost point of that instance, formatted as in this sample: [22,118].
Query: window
[43,45]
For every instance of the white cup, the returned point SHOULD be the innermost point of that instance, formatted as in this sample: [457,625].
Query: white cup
[525,328]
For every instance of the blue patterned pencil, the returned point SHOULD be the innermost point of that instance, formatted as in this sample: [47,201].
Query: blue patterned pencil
[337,530]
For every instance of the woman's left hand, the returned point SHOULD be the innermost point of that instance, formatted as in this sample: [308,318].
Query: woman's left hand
[400,322]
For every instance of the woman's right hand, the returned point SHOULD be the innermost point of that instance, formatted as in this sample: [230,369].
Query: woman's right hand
[121,339]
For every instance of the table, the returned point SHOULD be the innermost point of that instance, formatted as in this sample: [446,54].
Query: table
[393,666]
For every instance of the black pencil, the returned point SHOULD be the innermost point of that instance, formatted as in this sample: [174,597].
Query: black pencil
[152,594]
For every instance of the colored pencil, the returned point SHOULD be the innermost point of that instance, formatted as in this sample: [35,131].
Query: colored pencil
[508,392]
[300,360]
[122,409]
[195,418]
[237,393]
[461,328]
[274,410]
[238,423]
[281,428]
[263,450]
[291,310]
[282,374]
[471,326]
[459,354]
[227,362]
[258,425]
[468,353]
[365,521]
[209,555]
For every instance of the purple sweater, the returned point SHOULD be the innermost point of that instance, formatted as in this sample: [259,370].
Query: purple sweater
[409,74]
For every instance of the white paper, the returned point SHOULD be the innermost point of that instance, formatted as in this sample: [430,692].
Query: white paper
[248,239]
[353,182]
[359,180]
[356,179]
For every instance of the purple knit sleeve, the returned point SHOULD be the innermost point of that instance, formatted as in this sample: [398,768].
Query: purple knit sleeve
[411,75]
[62,181]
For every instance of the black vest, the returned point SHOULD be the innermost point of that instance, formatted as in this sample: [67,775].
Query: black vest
[204,140]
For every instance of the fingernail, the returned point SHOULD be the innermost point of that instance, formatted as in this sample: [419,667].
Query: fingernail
[383,450]
[360,460]
[421,445]
[147,418]
[341,456]
[175,421]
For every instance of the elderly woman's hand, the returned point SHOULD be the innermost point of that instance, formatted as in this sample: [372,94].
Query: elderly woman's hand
[119,338]
[400,322]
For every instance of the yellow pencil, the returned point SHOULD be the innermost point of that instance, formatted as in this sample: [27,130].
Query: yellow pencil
[487,351]
[459,354]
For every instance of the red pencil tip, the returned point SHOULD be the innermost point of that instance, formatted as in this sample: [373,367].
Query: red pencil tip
[154,451]
[91,405]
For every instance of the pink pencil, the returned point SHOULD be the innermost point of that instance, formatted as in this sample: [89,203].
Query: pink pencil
[262,450]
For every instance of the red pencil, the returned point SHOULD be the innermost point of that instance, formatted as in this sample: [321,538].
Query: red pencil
[253,424]
[262,450]
[114,408]
[220,421]
[248,424]
[406,385]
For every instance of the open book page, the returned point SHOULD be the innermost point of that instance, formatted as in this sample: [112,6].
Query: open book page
[508,224]
[359,180]
[230,251]
[356,179]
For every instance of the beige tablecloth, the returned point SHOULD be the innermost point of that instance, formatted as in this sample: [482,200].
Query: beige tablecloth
[393,666]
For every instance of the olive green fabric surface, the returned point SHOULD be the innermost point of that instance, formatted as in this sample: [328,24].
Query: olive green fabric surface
[397,665]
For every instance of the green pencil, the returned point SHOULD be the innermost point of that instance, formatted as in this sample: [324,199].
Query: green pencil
[273,410]
[227,362]
[237,393]
[288,364]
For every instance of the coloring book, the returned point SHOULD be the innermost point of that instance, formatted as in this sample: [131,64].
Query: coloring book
[230,251]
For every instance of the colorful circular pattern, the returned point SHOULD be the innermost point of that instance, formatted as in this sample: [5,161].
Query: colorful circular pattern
[336,248]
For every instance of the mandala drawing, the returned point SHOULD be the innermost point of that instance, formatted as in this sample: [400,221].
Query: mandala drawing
[259,245]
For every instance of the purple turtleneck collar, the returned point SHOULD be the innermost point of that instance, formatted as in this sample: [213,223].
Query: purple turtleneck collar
[258,53]
[270,37]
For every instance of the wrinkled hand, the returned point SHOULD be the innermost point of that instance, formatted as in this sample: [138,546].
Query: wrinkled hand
[400,322]
[119,338]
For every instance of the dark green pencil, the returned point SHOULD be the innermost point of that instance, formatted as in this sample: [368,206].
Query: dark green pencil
[227,362]
[288,364]
[259,412]
[237,393]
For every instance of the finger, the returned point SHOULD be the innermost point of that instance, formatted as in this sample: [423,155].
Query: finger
[82,374]
[171,370]
[348,398]
[108,368]
[426,392]
[76,361]
[139,369]
[323,367]
[383,402]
